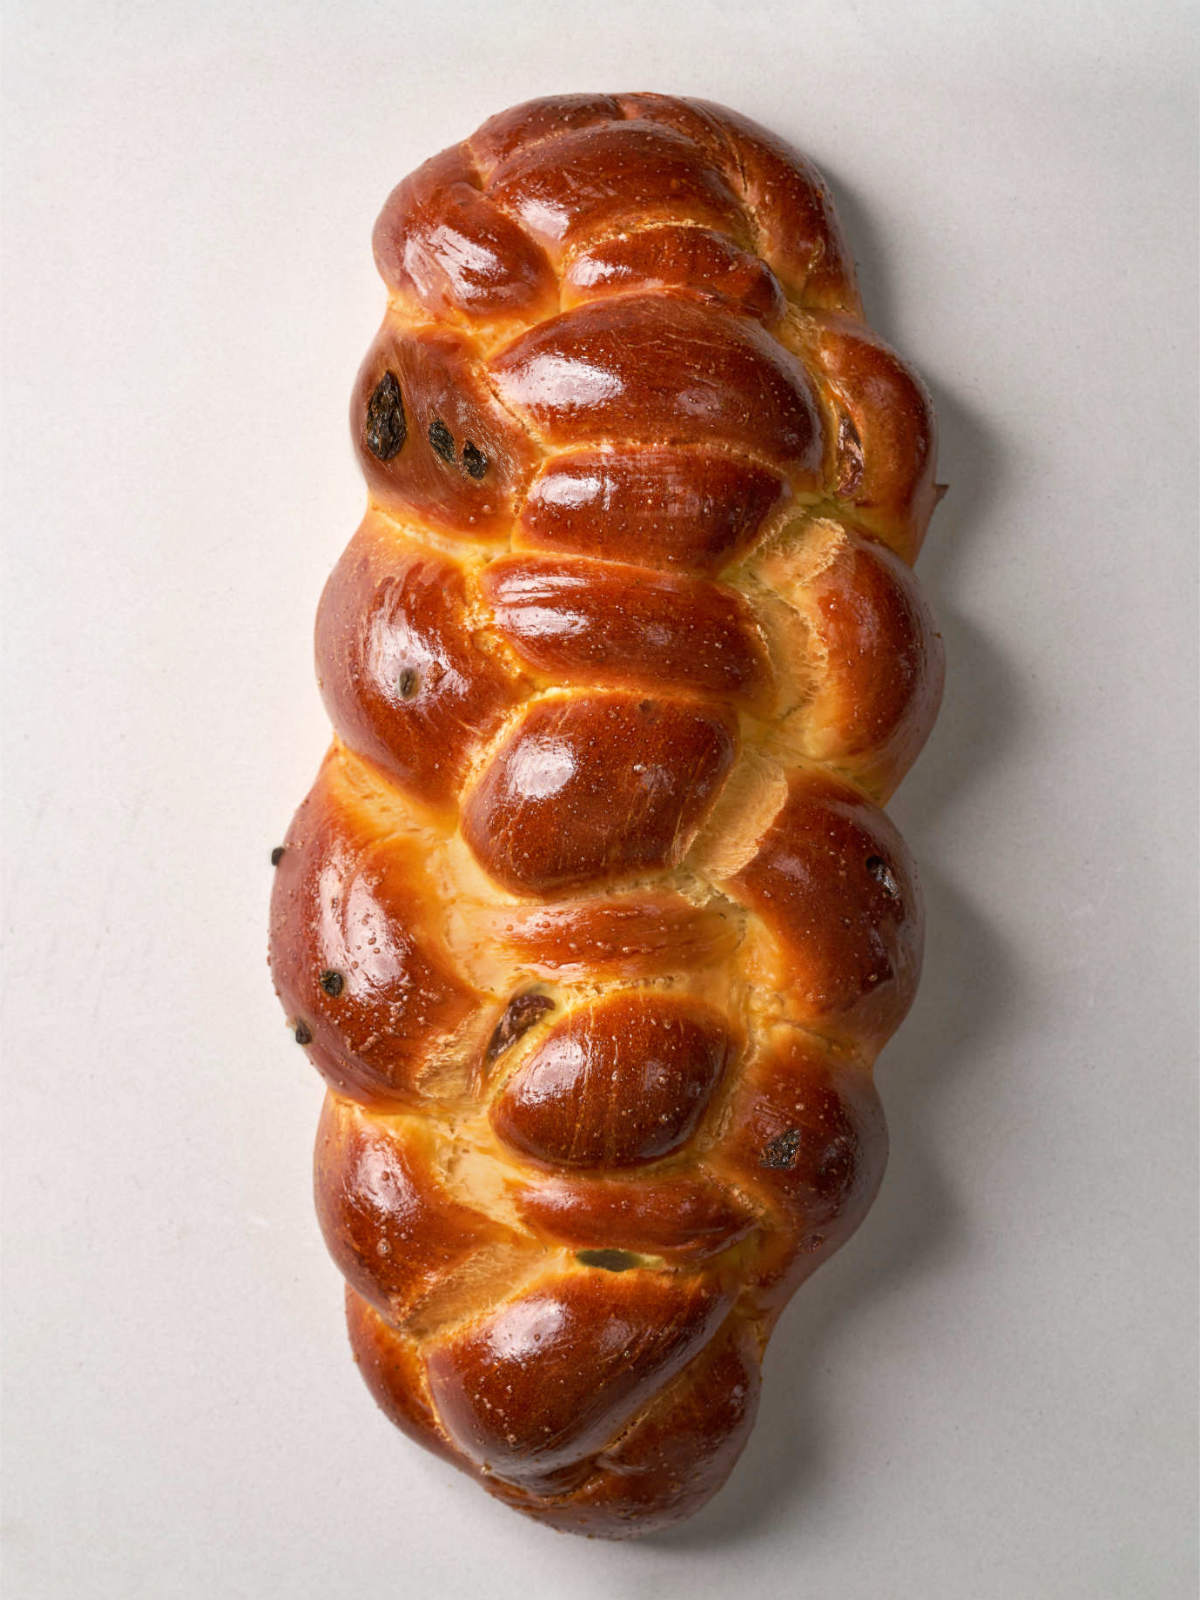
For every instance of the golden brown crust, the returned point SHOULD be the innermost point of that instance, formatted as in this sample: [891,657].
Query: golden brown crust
[876,659]
[849,977]
[607,623]
[674,256]
[446,244]
[618,936]
[806,1140]
[612,369]
[688,509]
[882,425]
[388,1221]
[405,680]
[392,1369]
[367,983]
[534,1391]
[617,1083]
[585,790]
[463,461]
[592,180]
[684,1217]
[591,921]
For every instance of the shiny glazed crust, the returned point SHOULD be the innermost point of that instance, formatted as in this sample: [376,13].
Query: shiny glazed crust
[592,921]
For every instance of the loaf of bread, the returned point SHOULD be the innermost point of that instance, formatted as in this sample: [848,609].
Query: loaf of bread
[592,922]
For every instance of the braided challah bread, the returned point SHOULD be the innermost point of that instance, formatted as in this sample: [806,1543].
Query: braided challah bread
[592,922]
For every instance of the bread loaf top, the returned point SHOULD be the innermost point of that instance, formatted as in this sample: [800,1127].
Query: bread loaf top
[592,922]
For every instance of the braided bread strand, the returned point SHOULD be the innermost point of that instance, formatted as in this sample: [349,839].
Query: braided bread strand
[592,922]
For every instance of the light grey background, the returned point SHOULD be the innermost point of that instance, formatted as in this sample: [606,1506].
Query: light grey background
[989,1395]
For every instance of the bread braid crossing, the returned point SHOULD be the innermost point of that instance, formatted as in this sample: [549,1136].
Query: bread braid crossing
[592,922]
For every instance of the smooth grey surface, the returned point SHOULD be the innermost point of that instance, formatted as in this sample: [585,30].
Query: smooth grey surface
[990,1394]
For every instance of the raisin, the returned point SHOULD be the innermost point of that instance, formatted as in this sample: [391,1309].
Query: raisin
[608,1260]
[386,429]
[522,1011]
[474,461]
[407,683]
[277,855]
[333,983]
[849,456]
[303,1033]
[441,439]
[882,873]
[781,1152]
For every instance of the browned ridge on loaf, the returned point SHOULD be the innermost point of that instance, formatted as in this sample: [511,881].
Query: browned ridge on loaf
[592,922]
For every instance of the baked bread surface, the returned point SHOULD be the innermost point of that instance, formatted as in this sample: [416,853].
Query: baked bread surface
[592,921]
